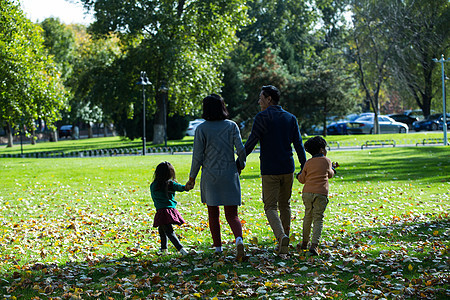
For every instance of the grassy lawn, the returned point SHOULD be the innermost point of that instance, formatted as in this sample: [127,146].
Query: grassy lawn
[81,228]
[65,145]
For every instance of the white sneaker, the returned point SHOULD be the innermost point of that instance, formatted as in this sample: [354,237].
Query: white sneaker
[183,252]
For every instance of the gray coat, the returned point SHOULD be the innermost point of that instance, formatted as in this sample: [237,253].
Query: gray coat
[214,145]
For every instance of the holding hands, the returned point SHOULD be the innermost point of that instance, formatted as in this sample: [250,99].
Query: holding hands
[335,164]
[190,184]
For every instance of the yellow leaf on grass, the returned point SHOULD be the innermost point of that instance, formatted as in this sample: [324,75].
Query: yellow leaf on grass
[435,233]
[410,267]
[221,277]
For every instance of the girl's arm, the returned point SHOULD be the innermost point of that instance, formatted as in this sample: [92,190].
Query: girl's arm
[177,187]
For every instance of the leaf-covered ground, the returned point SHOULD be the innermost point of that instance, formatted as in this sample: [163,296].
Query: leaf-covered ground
[82,229]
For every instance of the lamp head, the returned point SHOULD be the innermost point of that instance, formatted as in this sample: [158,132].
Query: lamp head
[144,80]
[163,88]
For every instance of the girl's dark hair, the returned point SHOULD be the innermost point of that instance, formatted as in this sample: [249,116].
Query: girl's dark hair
[164,174]
[214,108]
[313,145]
[273,92]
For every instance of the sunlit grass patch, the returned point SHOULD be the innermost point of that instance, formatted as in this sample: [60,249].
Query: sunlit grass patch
[82,227]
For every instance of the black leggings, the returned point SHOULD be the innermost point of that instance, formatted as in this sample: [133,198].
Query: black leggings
[166,231]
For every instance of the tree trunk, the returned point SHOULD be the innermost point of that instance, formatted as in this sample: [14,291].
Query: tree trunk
[158,125]
[9,134]
[33,136]
[105,129]
[53,136]
[90,133]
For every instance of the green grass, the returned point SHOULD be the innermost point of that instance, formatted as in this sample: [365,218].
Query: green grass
[82,227]
[65,145]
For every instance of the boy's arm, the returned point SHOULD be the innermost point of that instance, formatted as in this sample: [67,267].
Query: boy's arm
[301,177]
[331,170]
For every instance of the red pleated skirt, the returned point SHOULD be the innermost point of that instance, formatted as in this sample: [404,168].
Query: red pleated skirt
[166,216]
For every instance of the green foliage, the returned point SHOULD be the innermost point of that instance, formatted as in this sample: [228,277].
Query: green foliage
[59,41]
[420,31]
[177,43]
[30,84]
[176,127]
[298,49]
[323,92]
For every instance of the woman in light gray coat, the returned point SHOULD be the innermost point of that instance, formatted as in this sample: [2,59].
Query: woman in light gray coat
[214,144]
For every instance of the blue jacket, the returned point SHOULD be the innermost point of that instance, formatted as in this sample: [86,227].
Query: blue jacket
[276,129]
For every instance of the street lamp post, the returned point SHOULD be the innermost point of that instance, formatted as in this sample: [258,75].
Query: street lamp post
[444,127]
[163,90]
[143,81]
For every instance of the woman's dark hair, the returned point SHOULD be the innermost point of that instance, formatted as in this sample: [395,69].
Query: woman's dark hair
[313,145]
[214,108]
[273,92]
[164,174]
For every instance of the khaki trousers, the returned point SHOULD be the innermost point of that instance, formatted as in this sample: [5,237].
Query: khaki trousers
[276,195]
[315,205]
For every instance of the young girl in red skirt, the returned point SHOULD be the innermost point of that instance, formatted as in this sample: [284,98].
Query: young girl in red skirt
[163,190]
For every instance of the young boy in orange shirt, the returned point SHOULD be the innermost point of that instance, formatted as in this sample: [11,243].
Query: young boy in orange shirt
[318,169]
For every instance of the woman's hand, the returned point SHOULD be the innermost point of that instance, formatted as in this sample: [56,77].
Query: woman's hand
[190,184]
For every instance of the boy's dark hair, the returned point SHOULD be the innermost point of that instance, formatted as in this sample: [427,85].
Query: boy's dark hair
[214,108]
[273,92]
[313,145]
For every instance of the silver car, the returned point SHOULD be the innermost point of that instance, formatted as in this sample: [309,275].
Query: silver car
[365,124]
[193,125]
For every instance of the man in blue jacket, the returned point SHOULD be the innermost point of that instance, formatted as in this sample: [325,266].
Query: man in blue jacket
[276,129]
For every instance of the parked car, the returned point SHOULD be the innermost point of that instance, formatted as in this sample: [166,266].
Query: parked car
[365,125]
[432,122]
[441,121]
[193,125]
[340,127]
[402,118]
[65,131]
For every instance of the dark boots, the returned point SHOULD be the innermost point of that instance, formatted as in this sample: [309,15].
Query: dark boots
[314,250]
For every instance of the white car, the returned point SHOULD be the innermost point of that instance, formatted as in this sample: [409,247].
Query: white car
[365,124]
[193,125]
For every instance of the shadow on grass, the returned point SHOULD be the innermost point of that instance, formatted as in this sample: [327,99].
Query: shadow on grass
[414,163]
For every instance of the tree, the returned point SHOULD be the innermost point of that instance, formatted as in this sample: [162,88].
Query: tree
[30,84]
[325,90]
[372,48]
[180,43]
[94,77]
[59,40]
[420,28]
[288,42]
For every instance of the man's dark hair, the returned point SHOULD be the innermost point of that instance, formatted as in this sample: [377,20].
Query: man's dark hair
[313,145]
[214,108]
[273,92]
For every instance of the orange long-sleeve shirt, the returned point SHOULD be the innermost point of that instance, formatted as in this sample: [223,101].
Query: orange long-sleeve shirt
[315,175]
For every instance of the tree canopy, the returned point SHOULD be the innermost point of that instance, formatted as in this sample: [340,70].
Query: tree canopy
[30,84]
[178,43]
